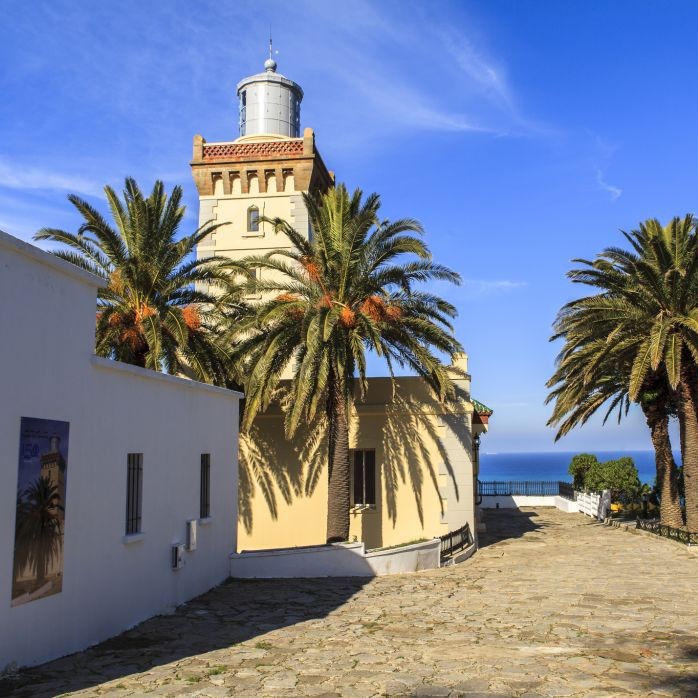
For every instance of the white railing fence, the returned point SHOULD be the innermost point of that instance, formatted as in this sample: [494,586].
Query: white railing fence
[589,503]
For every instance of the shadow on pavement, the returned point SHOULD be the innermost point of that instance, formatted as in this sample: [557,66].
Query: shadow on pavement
[504,524]
[684,683]
[236,611]
[674,656]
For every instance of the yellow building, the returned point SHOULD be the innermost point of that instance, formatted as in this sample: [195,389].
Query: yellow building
[414,460]
[413,470]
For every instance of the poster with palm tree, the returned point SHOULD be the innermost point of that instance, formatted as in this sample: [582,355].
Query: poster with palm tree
[40,516]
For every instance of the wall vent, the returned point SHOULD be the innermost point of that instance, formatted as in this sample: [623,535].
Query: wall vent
[191,534]
[178,556]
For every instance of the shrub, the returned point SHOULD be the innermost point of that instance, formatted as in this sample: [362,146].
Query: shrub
[620,476]
[578,468]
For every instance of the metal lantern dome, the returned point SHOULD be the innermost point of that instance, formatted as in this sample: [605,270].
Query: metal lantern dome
[270,103]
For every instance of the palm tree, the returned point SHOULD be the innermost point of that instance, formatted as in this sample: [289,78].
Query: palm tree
[39,536]
[583,384]
[327,302]
[161,309]
[637,341]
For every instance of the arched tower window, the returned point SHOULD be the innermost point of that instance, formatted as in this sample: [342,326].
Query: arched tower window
[252,219]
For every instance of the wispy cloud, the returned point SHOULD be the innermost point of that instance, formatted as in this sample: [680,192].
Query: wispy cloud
[603,153]
[613,191]
[474,65]
[475,288]
[412,70]
[15,175]
[399,103]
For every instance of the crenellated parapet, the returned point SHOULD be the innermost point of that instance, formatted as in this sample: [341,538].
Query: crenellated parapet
[259,164]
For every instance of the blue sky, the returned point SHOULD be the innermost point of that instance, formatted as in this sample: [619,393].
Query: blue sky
[521,134]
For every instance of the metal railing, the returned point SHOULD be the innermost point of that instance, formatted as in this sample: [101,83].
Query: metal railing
[531,488]
[566,490]
[455,540]
[676,534]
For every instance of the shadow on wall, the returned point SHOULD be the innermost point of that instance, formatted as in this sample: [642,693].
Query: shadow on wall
[233,613]
[413,445]
[270,462]
[412,439]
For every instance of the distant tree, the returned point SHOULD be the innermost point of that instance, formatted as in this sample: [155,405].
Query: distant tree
[579,467]
[619,476]
[161,308]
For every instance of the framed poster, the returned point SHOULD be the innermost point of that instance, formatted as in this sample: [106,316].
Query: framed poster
[37,569]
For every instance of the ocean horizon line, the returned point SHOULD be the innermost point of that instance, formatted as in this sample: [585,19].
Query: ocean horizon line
[574,452]
[554,465]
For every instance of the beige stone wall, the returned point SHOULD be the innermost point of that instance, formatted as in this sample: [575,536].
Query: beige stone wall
[233,239]
[423,465]
[268,172]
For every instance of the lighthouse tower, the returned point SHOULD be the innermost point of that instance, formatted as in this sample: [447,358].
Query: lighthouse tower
[262,173]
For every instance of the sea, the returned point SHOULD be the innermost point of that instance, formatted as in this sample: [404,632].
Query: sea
[553,466]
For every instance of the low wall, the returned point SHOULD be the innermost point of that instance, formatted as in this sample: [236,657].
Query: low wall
[336,560]
[407,558]
[566,505]
[517,501]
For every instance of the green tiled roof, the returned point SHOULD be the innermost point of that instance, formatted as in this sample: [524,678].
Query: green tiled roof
[480,408]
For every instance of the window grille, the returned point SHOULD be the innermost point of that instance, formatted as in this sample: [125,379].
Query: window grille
[205,488]
[364,477]
[134,493]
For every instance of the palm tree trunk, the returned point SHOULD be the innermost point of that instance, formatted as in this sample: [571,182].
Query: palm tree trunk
[667,472]
[688,421]
[338,497]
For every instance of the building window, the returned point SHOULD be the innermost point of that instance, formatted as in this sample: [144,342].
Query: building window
[205,487]
[253,281]
[134,493]
[252,219]
[363,477]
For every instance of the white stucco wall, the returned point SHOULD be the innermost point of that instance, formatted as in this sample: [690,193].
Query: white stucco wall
[47,370]
[519,500]
[336,560]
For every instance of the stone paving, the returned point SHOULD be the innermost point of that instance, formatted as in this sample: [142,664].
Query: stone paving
[552,605]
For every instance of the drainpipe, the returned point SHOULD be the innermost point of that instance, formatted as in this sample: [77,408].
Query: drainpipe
[476,468]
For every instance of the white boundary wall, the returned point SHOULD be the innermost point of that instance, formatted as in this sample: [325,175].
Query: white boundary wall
[589,503]
[47,370]
[337,560]
[516,501]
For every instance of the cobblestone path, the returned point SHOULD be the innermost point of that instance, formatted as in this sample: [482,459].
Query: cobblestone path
[552,605]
